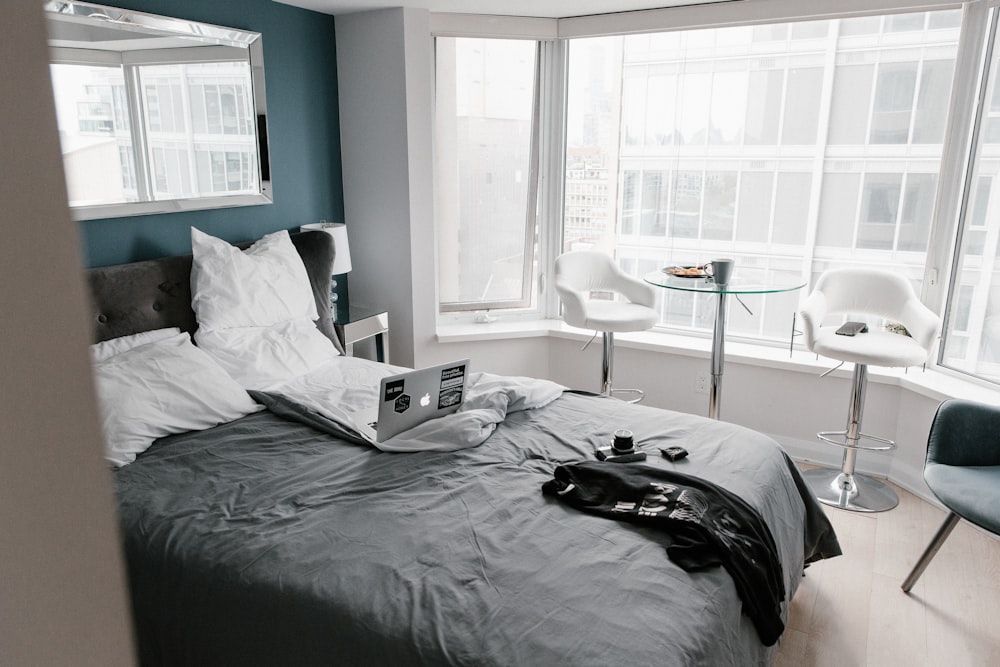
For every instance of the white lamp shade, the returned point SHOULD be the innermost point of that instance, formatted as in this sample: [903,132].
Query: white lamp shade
[342,250]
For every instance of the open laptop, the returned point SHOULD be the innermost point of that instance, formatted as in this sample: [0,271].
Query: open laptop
[411,398]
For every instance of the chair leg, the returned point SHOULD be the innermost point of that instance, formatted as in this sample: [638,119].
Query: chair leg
[845,488]
[607,362]
[607,370]
[925,558]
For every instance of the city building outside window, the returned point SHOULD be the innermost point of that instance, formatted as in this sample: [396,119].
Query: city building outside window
[797,147]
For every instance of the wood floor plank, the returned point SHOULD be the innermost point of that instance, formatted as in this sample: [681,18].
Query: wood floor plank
[850,611]
[893,617]
[899,540]
[846,581]
[792,651]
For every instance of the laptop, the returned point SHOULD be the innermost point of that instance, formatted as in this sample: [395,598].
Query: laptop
[411,398]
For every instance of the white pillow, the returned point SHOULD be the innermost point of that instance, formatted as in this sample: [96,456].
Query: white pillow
[161,388]
[265,357]
[261,286]
[109,348]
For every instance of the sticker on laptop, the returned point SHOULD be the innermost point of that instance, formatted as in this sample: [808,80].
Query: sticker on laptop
[452,385]
[402,403]
[392,390]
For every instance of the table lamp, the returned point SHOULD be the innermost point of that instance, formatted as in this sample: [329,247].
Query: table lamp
[341,260]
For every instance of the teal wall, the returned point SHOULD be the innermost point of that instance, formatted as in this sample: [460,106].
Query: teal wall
[300,73]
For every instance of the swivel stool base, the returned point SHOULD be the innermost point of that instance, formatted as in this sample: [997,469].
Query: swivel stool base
[844,488]
[853,492]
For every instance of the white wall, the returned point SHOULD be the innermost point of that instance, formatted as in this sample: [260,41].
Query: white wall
[384,70]
[62,584]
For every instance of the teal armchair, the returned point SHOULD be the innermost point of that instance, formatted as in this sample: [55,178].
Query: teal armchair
[963,470]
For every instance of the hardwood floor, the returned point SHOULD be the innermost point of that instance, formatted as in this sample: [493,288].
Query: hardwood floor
[851,611]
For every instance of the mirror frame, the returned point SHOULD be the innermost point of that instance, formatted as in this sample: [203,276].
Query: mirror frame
[134,21]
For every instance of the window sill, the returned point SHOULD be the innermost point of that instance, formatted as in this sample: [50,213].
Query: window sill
[934,384]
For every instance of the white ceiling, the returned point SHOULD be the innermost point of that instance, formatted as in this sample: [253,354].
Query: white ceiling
[537,8]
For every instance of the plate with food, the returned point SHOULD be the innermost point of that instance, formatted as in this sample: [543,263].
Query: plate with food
[687,271]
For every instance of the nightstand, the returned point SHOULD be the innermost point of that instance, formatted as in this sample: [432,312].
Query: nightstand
[357,323]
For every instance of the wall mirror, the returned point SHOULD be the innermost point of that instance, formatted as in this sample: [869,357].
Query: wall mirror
[156,114]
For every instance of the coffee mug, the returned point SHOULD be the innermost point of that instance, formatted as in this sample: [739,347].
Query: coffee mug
[721,270]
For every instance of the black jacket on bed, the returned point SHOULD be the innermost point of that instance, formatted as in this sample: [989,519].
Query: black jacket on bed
[708,525]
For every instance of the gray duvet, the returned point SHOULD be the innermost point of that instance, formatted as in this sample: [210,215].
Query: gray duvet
[268,542]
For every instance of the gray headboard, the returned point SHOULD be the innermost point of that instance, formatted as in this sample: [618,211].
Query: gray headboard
[130,298]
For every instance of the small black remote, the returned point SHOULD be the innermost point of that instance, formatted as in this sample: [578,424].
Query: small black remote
[674,453]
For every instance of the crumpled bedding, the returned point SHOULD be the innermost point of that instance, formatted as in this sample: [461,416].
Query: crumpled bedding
[328,398]
[267,542]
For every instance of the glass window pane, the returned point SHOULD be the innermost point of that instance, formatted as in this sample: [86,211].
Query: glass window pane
[630,205]
[485,105]
[791,208]
[729,90]
[852,89]
[864,25]
[685,204]
[932,103]
[763,111]
[769,33]
[719,205]
[634,109]
[802,105]
[755,206]
[810,29]
[972,330]
[879,207]
[693,114]
[981,202]
[918,204]
[945,20]
[654,203]
[838,210]
[904,22]
[662,102]
[894,90]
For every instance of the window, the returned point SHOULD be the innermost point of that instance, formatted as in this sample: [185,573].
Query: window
[486,173]
[799,147]
[972,327]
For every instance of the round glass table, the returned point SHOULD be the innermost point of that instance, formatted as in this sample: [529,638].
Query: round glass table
[745,280]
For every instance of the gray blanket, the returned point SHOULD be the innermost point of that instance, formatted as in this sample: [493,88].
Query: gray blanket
[265,541]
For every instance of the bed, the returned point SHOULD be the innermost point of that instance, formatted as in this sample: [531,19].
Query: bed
[268,540]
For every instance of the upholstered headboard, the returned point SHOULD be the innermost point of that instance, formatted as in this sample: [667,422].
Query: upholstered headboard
[130,298]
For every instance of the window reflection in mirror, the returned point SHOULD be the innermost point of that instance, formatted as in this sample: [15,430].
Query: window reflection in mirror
[156,114]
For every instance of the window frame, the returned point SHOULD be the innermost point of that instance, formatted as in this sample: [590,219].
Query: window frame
[950,191]
[531,256]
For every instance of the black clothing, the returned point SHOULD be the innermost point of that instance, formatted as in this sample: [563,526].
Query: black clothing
[708,524]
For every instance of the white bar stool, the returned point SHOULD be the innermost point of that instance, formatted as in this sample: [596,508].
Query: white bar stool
[867,295]
[583,274]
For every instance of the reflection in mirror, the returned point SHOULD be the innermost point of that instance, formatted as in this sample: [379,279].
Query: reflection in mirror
[156,114]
